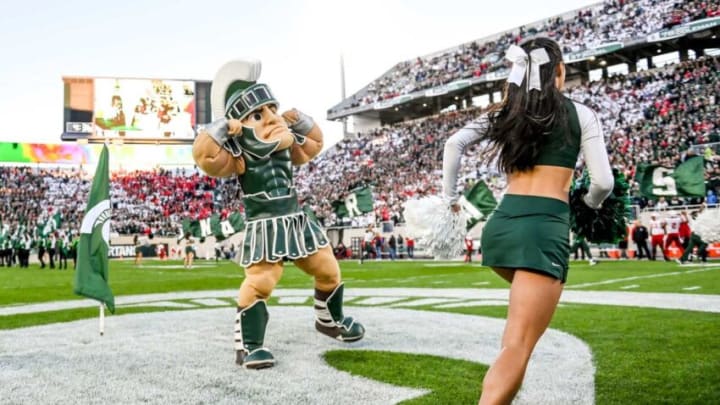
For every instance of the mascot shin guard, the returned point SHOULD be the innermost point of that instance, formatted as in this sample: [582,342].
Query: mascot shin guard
[329,318]
[250,324]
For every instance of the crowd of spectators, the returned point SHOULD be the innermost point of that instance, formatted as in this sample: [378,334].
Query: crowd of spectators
[610,21]
[398,162]
[656,116]
[31,196]
[652,116]
[143,202]
[649,117]
[157,201]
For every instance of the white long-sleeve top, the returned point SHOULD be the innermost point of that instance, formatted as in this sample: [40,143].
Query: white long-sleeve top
[592,146]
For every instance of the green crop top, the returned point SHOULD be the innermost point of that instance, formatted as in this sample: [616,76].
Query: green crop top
[559,151]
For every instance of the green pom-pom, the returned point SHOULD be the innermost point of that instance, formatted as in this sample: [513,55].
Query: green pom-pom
[607,224]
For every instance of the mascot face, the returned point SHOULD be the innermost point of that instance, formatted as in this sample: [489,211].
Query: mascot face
[256,108]
[268,124]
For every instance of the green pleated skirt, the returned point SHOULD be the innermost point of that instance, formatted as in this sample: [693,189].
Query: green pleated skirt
[292,236]
[529,233]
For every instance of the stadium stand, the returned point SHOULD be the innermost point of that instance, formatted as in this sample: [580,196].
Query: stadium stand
[611,20]
[650,116]
[143,201]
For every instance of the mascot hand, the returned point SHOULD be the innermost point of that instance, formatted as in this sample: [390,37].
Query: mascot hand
[234,127]
[291,116]
[298,122]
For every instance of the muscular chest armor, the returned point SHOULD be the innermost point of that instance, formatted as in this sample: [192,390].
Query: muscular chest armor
[267,183]
[266,169]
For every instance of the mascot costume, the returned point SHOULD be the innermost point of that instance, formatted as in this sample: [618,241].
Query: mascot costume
[252,140]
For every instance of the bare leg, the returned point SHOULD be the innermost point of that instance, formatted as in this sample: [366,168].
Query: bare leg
[533,299]
[323,266]
[260,280]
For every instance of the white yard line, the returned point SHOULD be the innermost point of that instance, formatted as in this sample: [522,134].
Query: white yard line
[697,287]
[629,287]
[621,280]
[690,302]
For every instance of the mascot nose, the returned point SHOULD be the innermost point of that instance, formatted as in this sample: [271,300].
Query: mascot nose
[268,114]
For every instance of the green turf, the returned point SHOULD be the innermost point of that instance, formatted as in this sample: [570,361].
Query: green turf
[35,285]
[642,355]
[450,381]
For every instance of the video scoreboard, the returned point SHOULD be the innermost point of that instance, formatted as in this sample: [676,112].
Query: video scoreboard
[150,111]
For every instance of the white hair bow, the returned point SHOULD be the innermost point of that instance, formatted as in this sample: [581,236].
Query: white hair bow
[520,61]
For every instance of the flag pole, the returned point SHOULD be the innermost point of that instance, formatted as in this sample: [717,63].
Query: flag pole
[102,319]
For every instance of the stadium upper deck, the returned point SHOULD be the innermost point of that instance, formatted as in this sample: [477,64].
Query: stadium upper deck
[607,33]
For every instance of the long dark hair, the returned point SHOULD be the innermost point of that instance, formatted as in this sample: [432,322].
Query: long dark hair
[522,122]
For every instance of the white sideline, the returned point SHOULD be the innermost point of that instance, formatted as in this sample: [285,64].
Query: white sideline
[620,280]
[689,302]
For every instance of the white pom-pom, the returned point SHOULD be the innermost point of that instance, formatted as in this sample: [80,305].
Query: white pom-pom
[707,225]
[431,222]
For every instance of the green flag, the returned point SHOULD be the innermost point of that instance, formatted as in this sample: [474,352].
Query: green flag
[50,226]
[214,226]
[685,180]
[91,277]
[357,202]
[478,202]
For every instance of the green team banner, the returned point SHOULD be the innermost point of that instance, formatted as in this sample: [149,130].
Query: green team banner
[478,202]
[357,202]
[685,180]
[214,226]
[91,276]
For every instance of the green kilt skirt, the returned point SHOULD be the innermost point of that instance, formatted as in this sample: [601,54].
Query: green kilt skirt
[529,233]
[291,236]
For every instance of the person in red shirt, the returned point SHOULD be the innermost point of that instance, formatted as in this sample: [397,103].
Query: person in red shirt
[468,249]
[684,232]
[410,243]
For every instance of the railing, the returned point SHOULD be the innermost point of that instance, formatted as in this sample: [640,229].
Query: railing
[699,149]
[688,207]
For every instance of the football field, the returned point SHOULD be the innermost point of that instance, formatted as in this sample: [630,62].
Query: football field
[625,332]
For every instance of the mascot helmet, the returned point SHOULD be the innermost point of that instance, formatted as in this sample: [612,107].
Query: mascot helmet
[235,92]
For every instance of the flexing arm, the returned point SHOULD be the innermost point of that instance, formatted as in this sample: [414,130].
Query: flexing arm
[596,158]
[454,149]
[209,154]
[308,137]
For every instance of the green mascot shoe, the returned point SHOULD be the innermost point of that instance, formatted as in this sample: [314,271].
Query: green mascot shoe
[250,324]
[330,321]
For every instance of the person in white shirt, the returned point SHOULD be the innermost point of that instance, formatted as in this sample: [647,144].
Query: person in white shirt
[536,135]
[673,231]
[657,236]
[368,245]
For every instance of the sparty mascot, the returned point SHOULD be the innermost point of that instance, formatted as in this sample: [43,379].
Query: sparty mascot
[252,140]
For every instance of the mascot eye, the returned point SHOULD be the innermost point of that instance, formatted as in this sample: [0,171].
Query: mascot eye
[257,116]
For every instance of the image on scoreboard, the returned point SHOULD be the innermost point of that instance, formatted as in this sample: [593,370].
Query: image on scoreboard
[144,109]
